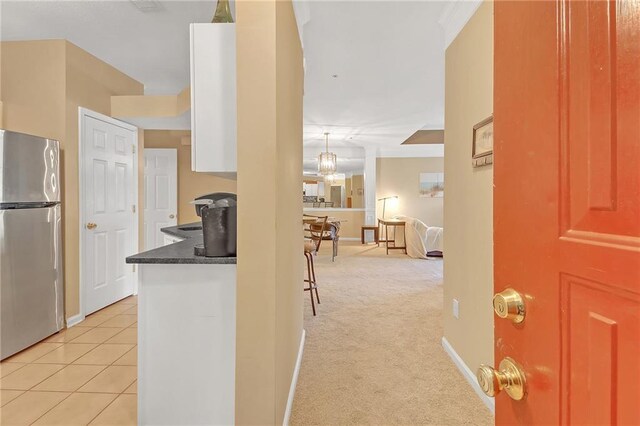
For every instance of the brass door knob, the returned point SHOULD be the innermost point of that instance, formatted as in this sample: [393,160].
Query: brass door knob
[509,304]
[510,377]
[91,225]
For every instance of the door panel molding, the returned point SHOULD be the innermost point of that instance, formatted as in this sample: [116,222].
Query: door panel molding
[598,128]
[623,242]
[87,200]
[607,316]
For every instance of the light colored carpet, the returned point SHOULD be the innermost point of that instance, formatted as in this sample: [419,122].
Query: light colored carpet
[373,354]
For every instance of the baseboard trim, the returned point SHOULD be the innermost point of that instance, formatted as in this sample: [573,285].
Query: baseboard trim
[468,375]
[76,319]
[294,380]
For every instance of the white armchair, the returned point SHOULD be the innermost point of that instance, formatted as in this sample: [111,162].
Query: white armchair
[422,239]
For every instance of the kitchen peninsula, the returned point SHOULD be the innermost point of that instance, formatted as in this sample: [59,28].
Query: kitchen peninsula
[341,195]
[186,333]
[351,220]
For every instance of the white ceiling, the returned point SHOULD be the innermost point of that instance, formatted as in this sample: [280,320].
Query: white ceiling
[389,60]
[350,159]
[388,57]
[151,47]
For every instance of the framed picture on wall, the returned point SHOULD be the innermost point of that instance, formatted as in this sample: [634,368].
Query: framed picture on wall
[431,185]
[482,148]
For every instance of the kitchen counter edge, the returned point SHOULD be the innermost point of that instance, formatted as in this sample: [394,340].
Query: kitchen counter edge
[180,253]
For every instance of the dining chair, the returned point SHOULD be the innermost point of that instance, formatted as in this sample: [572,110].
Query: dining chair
[332,233]
[313,239]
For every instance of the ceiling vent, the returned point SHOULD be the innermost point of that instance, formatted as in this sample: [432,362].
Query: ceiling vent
[148,6]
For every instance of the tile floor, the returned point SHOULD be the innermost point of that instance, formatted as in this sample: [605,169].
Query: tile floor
[82,375]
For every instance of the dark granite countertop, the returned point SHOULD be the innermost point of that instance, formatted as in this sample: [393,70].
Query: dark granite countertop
[181,252]
[183,231]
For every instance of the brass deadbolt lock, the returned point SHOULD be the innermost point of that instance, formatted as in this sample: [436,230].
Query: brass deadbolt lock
[509,378]
[509,304]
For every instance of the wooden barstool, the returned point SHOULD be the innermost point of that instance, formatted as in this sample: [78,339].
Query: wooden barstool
[313,239]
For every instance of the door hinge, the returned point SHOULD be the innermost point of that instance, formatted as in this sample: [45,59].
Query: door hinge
[133,208]
[133,149]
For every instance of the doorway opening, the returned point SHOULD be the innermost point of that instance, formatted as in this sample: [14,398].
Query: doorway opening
[160,194]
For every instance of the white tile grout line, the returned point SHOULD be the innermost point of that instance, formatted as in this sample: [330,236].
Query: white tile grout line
[71,363]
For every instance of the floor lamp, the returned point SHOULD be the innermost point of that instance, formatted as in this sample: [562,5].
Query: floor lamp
[384,207]
[384,203]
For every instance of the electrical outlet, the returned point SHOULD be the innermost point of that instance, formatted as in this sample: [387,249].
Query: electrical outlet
[456,308]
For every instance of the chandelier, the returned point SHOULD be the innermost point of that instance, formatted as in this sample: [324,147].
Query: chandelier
[330,179]
[327,161]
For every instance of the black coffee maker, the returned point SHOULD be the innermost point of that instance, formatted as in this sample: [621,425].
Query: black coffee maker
[219,213]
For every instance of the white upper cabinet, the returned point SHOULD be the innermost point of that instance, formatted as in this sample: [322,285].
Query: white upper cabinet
[213,98]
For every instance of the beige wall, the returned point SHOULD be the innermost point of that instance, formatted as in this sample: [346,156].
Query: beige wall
[269,290]
[33,88]
[357,182]
[401,177]
[348,188]
[151,105]
[141,193]
[43,83]
[468,202]
[1,104]
[352,220]
[190,183]
[90,83]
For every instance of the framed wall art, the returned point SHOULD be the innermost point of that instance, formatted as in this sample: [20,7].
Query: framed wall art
[482,149]
[431,185]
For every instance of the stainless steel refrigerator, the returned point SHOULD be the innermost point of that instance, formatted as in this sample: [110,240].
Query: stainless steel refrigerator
[31,280]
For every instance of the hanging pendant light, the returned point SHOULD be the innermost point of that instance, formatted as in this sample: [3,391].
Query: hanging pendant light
[327,161]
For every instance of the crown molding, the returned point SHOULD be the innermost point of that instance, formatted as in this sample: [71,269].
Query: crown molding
[455,16]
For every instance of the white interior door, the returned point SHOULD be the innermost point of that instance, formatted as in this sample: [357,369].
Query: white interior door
[160,194]
[109,227]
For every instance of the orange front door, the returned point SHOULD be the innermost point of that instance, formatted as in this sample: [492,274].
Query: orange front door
[567,207]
